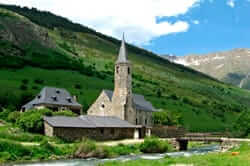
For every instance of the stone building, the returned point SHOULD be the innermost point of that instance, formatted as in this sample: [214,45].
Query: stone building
[115,114]
[121,102]
[92,127]
[55,99]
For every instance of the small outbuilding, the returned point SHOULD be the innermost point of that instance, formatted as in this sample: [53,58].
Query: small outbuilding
[92,127]
[55,99]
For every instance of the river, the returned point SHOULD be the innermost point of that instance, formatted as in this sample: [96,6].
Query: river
[94,162]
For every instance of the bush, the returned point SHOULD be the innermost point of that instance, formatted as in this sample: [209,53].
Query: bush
[122,149]
[25,81]
[16,135]
[32,120]
[15,151]
[39,81]
[23,87]
[4,114]
[86,148]
[154,145]
[78,86]
[65,113]
[242,124]
[13,116]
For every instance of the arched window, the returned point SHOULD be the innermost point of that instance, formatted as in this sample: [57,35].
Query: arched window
[117,69]
[146,121]
[136,121]
[128,70]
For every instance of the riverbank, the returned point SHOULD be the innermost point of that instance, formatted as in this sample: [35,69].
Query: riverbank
[123,158]
[14,152]
[238,156]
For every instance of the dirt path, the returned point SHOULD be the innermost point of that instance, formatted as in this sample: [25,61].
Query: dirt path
[125,142]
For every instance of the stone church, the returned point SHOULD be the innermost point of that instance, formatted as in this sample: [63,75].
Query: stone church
[117,114]
[121,102]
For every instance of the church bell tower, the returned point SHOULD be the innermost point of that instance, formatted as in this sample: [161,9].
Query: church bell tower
[122,97]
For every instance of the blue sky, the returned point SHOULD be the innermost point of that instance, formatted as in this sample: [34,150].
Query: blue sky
[179,27]
[221,27]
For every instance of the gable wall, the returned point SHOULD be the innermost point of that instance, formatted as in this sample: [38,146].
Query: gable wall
[97,109]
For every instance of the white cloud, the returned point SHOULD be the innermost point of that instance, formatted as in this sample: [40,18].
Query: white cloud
[137,18]
[196,22]
[231,3]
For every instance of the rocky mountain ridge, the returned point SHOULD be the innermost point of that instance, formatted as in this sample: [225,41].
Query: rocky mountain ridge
[229,66]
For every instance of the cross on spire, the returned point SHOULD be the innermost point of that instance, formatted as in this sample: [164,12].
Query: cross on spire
[122,57]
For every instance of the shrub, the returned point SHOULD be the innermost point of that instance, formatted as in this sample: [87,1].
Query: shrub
[4,114]
[25,81]
[23,87]
[35,88]
[122,149]
[13,116]
[154,145]
[242,124]
[46,145]
[5,156]
[15,150]
[78,86]
[85,148]
[65,113]
[32,121]
[16,135]
[39,81]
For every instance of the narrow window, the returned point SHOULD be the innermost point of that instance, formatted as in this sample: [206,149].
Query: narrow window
[136,121]
[146,121]
[117,69]
[128,70]
[102,131]
[103,106]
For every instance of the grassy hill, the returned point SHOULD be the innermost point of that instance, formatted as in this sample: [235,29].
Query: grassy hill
[40,49]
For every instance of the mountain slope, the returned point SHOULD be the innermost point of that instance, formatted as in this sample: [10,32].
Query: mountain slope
[230,66]
[47,50]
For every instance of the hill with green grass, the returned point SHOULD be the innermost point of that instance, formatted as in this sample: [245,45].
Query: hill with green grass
[40,49]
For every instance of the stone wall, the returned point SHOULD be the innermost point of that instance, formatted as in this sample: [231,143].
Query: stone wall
[101,107]
[95,133]
[168,131]
[144,118]
[48,130]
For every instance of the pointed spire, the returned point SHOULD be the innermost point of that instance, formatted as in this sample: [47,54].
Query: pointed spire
[122,58]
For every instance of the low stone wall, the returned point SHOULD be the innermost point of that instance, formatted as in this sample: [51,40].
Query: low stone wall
[168,131]
[99,134]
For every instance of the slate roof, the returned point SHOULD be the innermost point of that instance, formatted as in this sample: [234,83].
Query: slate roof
[140,102]
[122,57]
[86,121]
[53,96]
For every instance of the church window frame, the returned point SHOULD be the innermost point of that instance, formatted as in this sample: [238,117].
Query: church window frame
[117,69]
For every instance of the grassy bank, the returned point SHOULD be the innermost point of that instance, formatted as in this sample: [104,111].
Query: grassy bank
[19,146]
[213,159]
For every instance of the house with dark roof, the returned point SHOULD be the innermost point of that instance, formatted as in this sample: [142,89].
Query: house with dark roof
[92,127]
[55,99]
[121,102]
